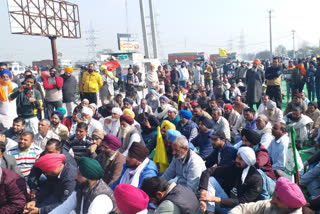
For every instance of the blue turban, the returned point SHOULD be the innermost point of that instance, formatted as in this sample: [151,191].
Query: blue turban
[59,114]
[185,114]
[6,71]
[164,99]
[128,100]
[152,91]
[172,134]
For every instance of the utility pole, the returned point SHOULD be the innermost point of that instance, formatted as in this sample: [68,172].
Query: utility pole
[144,31]
[127,18]
[270,29]
[153,30]
[294,49]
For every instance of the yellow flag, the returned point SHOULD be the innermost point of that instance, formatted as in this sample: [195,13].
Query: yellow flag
[160,157]
[180,97]
[223,52]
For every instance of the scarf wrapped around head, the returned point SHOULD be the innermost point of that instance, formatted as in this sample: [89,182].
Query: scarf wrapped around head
[249,157]
[167,125]
[3,96]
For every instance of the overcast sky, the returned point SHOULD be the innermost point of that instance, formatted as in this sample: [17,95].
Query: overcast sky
[183,25]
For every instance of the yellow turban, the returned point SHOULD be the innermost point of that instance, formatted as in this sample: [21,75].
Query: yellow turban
[167,125]
[103,67]
[68,69]
[129,113]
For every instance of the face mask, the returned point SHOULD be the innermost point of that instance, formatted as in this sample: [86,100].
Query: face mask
[90,70]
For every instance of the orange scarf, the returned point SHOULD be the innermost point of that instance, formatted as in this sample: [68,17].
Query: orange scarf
[3,96]
[302,69]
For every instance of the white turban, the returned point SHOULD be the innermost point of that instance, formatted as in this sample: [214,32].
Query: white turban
[87,110]
[173,109]
[249,157]
[271,104]
[116,110]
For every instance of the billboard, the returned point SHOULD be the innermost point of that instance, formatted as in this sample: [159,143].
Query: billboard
[126,43]
[51,18]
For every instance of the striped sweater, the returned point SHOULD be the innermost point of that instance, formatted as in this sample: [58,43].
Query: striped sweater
[25,160]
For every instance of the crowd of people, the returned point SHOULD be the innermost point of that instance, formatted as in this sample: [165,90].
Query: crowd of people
[187,138]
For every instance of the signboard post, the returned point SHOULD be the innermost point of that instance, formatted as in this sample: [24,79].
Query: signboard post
[49,18]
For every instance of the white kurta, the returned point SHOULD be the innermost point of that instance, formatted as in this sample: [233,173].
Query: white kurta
[8,109]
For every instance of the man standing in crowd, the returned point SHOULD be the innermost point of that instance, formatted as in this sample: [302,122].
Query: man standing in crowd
[106,91]
[29,102]
[8,108]
[92,82]
[184,75]
[175,76]
[207,74]
[255,80]
[53,87]
[69,90]
[273,76]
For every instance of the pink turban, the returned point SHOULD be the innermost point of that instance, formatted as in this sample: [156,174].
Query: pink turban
[130,199]
[289,193]
[50,162]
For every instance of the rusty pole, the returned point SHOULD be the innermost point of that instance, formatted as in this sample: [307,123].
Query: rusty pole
[54,51]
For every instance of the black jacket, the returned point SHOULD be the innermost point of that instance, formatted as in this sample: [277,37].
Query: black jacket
[230,180]
[68,88]
[175,76]
[59,188]
[33,180]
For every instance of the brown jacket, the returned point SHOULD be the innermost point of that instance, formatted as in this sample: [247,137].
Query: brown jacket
[112,166]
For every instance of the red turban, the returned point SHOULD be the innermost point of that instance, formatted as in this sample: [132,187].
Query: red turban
[228,106]
[50,162]
[126,119]
[130,199]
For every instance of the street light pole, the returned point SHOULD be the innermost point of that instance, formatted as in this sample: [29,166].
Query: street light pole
[270,30]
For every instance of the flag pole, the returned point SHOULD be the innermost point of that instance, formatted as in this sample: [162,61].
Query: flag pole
[293,142]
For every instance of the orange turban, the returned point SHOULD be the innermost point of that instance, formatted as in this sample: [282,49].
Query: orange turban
[257,61]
